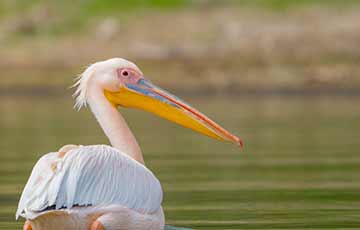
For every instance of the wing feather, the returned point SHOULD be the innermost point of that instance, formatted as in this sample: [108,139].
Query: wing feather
[90,175]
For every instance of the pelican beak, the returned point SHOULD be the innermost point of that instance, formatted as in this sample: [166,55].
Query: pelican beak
[146,96]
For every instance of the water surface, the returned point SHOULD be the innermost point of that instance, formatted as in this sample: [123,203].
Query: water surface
[300,167]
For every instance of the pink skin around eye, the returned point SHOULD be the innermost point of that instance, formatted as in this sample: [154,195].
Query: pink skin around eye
[128,76]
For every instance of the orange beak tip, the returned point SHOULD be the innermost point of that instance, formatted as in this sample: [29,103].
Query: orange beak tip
[240,143]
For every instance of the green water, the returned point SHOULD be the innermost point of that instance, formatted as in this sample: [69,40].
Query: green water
[300,167]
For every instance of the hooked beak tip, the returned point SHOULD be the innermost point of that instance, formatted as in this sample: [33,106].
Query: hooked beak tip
[238,142]
[241,143]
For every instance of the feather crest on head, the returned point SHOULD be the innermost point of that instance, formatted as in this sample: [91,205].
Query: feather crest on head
[81,86]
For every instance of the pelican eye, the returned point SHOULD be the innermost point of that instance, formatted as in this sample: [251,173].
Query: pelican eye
[125,73]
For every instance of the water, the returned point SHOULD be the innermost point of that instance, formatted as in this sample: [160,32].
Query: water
[300,167]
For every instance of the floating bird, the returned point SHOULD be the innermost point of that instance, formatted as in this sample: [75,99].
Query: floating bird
[102,187]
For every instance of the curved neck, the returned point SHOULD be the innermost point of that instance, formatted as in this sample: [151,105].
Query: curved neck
[113,124]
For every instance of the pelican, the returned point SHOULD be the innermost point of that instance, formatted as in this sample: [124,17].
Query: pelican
[101,187]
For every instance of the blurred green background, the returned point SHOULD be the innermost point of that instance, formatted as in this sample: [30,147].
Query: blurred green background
[283,74]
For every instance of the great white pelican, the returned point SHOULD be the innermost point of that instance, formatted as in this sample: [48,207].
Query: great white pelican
[102,187]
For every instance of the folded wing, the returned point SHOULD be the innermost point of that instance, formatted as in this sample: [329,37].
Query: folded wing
[89,176]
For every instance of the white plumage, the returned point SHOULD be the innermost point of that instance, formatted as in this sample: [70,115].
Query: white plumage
[97,175]
[101,187]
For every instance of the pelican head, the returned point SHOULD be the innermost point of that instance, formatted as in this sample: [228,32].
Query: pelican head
[124,85]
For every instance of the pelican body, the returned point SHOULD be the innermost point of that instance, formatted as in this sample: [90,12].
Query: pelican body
[101,187]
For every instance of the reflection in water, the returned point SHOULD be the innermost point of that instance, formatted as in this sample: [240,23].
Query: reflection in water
[299,167]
